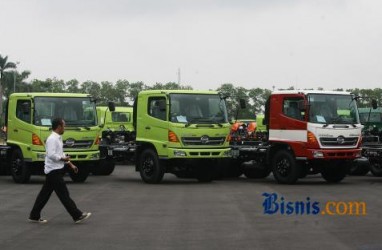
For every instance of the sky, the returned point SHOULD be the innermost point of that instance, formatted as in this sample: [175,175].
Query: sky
[249,43]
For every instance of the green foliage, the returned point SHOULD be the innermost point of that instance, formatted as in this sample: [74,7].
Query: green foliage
[124,92]
[255,100]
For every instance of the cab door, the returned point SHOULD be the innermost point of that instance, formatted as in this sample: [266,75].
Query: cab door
[20,126]
[287,121]
[153,127]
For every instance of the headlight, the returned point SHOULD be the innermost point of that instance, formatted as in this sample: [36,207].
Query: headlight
[179,153]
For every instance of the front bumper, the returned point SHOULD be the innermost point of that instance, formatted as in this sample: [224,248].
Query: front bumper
[329,154]
[74,156]
[198,153]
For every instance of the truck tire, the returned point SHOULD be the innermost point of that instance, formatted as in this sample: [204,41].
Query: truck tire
[82,175]
[104,167]
[284,167]
[376,168]
[257,170]
[20,170]
[150,168]
[334,172]
[359,169]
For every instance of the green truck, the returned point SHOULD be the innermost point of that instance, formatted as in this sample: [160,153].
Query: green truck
[28,124]
[183,132]
[371,118]
[117,142]
[120,119]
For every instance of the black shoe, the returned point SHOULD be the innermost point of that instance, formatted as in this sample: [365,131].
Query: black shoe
[41,221]
[83,217]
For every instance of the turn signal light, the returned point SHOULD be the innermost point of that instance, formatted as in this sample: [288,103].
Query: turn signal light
[312,140]
[172,137]
[97,140]
[359,142]
[36,140]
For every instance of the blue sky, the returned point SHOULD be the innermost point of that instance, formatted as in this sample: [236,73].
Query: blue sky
[330,44]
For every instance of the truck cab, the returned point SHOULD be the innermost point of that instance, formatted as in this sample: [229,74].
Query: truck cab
[317,131]
[28,123]
[371,118]
[183,132]
[308,132]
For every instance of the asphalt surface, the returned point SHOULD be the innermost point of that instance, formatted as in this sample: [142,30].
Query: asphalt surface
[185,214]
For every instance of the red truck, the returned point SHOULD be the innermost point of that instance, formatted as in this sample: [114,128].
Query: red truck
[308,132]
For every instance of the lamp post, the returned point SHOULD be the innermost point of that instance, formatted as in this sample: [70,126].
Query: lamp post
[14,78]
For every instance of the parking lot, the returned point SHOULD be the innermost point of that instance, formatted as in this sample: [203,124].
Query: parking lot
[185,214]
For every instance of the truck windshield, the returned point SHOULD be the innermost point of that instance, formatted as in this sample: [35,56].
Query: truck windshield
[76,111]
[333,109]
[197,108]
[120,116]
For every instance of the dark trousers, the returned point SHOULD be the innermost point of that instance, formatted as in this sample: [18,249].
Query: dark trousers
[54,181]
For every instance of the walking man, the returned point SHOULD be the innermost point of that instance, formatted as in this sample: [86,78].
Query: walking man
[55,161]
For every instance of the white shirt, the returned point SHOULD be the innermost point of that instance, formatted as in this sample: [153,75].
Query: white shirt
[54,152]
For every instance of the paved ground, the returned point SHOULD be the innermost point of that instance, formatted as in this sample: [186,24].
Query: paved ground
[185,214]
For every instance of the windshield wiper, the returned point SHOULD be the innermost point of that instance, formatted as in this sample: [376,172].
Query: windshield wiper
[189,122]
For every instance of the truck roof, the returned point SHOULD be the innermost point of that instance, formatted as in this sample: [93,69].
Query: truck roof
[306,92]
[48,94]
[169,91]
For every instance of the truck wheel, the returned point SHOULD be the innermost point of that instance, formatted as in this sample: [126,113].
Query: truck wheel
[20,170]
[334,172]
[150,168]
[257,170]
[376,168]
[104,167]
[284,167]
[82,175]
[359,169]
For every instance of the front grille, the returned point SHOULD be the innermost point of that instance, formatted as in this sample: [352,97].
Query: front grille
[79,144]
[198,141]
[334,142]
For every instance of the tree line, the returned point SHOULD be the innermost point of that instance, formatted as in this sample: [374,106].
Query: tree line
[123,92]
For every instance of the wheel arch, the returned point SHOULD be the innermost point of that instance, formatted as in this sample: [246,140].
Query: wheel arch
[277,147]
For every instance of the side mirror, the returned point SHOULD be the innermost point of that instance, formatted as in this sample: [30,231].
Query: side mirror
[374,104]
[243,105]
[111,106]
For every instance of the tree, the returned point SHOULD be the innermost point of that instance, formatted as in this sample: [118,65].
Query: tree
[121,88]
[135,88]
[4,67]
[234,94]
[72,86]
[11,78]
[258,98]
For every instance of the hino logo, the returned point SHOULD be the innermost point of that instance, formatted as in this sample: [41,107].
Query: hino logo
[204,139]
[70,142]
[340,139]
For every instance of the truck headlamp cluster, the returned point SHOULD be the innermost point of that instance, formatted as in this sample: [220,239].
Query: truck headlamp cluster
[179,153]
[228,153]
[318,154]
[40,156]
[94,156]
